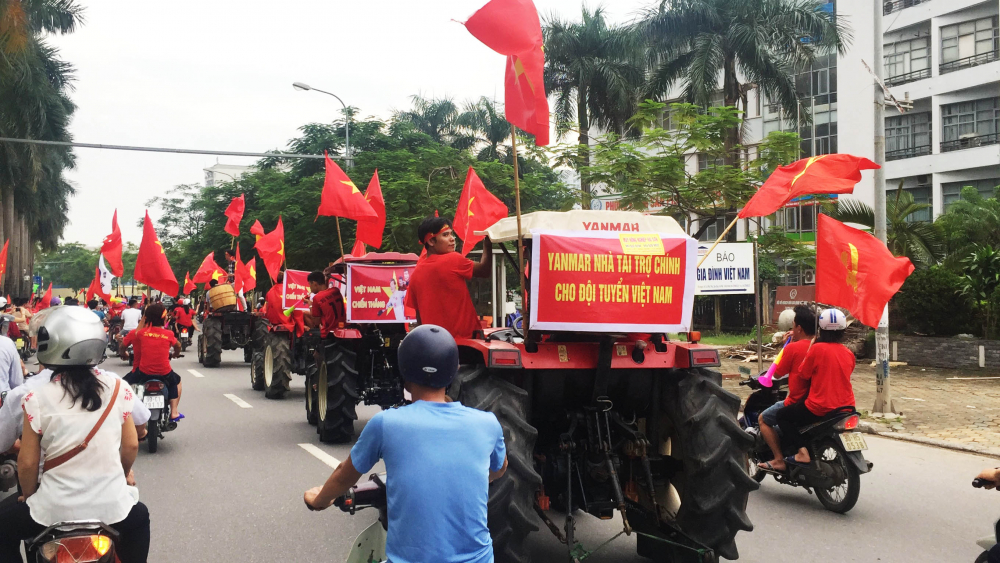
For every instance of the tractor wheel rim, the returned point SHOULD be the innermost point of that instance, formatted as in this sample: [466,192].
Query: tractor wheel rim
[321,390]
[268,366]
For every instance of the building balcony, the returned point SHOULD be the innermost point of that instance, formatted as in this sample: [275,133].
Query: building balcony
[908,77]
[909,152]
[975,60]
[970,142]
[893,6]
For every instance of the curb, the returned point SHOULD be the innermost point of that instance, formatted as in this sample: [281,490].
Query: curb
[878,430]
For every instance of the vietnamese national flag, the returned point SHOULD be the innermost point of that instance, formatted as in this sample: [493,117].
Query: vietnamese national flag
[823,174]
[359,249]
[45,301]
[209,270]
[856,271]
[189,285]
[151,266]
[245,274]
[234,214]
[478,210]
[512,28]
[341,198]
[257,230]
[370,230]
[111,248]
[271,248]
[3,261]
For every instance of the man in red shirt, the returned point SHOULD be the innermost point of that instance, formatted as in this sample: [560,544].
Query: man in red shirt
[803,330]
[151,344]
[437,288]
[827,369]
[326,308]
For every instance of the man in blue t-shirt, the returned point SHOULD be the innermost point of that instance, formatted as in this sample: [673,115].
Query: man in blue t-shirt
[440,458]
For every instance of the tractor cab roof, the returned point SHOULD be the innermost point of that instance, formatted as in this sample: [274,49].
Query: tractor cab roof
[505,230]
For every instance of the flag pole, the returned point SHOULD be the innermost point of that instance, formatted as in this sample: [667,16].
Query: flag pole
[339,239]
[520,236]
[717,241]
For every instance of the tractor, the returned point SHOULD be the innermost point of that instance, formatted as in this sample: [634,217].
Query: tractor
[357,364]
[602,412]
[225,328]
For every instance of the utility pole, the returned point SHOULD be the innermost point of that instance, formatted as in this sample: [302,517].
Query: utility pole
[883,395]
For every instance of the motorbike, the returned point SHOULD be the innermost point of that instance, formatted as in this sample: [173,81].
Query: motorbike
[836,450]
[369,546]
[153,394]
[82,541]
[183,335]
[114,327]
[987,542]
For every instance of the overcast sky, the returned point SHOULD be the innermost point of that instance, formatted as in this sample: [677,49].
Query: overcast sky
[217,74]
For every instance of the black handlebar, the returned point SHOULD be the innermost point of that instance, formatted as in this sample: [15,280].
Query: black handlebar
[371,494]
[981,483]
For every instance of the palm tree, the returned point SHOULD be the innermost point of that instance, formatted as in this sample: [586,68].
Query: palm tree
[764,42]
[971,221]
[486,124]
[920,241]
[34,105]
[437,118]
[595,72]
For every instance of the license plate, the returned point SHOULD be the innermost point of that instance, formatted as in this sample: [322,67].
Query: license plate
[184,333]
[853,441]
[153,401]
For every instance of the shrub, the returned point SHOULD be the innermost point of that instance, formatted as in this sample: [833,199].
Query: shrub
[930,302]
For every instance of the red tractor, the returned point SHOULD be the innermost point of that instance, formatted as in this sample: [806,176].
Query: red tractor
[358,363]
[601,411]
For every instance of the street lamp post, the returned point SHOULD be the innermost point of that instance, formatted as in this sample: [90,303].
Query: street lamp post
[347,119]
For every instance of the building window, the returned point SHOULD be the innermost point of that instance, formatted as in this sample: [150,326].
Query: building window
[907,135]
[921,194]
[970,124]
[705,162]
[908,60]
[718,225]
[817,89]
[952,191]
[969,43]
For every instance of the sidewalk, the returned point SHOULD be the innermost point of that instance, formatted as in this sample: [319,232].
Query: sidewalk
[961,414]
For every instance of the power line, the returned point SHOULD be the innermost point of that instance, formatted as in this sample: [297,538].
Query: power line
[158,149]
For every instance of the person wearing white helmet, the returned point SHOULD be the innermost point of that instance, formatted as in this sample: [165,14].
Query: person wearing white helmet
[79,426]
[827,369]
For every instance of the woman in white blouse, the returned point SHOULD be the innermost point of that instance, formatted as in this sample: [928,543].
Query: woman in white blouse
[78,406]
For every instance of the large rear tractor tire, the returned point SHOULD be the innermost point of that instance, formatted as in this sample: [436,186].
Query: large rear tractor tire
[312,379]
[337,394]
[277,365]
[257,371]
[201,348]
[213,342]
[248,353]
[707,499]
[512,497]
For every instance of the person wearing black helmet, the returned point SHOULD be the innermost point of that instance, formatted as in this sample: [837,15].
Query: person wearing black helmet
[430,446]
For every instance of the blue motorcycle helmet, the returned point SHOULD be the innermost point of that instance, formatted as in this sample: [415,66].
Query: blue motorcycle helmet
[428,356]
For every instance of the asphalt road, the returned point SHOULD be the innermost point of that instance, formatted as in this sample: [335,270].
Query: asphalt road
[227,486]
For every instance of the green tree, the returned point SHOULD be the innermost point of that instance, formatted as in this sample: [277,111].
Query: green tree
[439,118]
[489,129]
[981,284]
[697,42]
[595,71]
[33,104]
[920,241]
[69,265]
[972,220]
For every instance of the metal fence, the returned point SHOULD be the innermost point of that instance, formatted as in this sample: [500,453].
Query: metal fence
[737,313]
[970,142]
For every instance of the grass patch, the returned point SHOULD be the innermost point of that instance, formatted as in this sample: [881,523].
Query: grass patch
[723,339]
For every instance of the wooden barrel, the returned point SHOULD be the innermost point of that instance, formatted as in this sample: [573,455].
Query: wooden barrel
[222,298]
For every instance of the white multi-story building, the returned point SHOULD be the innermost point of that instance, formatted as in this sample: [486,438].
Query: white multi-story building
[225,173]
[943,56]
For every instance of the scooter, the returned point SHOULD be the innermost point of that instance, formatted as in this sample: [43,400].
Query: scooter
[153,394]
[183,336]
[837,462]
[83,541]
[988,542]
[369,546]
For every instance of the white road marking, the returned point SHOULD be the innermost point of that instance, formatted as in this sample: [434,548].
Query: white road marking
[972,378]
[195,373]
[321,455]
[238,401]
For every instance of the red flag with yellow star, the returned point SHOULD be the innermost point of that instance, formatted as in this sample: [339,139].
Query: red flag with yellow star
[341,198]
[271,248]
[111,248]
[3,260]
[370,230]
[151,265]
[478,210]
[257,230]
[823,174]
[245,274]
[189,285]
[234,214]
[209,270]
[856,271]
